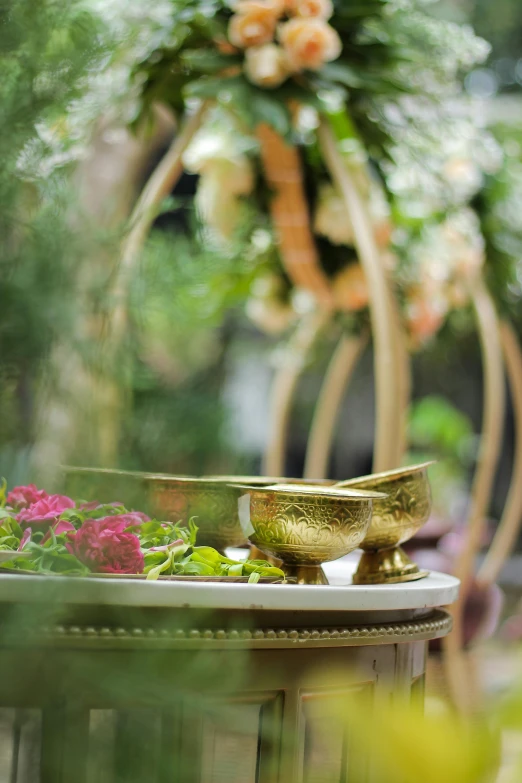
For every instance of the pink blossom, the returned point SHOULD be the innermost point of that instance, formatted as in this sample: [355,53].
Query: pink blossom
[133,518]
[25,538]
[89,506]
[104,547]
[62,526]
[40,515]
[24,496]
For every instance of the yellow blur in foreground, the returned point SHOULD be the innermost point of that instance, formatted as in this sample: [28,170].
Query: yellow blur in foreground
[401,743]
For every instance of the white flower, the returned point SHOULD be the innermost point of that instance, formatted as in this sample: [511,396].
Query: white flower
[217,197]
[266,66]
[267,308]
[332,221]
[225,174]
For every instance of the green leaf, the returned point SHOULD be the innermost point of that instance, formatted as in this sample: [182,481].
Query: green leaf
[198,569]
[155,572]
[341,73]
[270,110]
[3,493]
[207,61]
[254,577]
[15,527]
[209,554]
[206,87]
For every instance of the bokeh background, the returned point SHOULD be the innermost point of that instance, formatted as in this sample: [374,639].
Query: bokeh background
[188,391]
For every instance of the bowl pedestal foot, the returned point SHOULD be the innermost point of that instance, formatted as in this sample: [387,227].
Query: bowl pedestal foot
[306,575]
[386,566]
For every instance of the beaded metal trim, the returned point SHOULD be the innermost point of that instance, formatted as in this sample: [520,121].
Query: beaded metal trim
[438,624]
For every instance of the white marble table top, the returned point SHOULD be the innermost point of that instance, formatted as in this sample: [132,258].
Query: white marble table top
[341,595]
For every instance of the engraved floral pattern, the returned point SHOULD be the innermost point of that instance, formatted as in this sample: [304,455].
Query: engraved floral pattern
[397,518]
[307,530]
[214,509]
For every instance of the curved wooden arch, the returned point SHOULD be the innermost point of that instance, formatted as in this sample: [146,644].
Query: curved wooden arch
[455,663]
[342,364]
[160,184]
[509,526]
[284,387]
[388,370]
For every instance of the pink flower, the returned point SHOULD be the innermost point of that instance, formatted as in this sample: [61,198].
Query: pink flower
[62,526]
[25,538]
[23,496]
[133,518]
[41,515]
[104,547]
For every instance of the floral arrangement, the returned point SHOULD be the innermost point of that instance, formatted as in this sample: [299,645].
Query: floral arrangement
[389,76]
[306,40]
[53,534]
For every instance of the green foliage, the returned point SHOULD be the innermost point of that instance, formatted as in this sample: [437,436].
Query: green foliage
[47,50]
[388,50]
[499,206]
[178,302]
[436,424]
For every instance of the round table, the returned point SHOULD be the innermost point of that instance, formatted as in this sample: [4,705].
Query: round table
[124,680]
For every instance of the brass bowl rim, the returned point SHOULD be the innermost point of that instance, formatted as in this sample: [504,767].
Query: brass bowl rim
[217,479]
[333,492]
[188,481]
[270,480]
[106,471]
[387,474]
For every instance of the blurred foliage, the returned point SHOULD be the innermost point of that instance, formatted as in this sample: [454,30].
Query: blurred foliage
[179,299]
[46,49]
[439,431]
[438,425]
[185,301]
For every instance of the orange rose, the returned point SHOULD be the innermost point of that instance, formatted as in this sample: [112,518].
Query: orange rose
[425,316]
[319,8]
[253,24]
[309,43]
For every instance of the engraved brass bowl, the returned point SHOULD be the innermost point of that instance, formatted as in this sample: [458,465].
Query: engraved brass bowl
[107,485]
[305,526]
[395,520]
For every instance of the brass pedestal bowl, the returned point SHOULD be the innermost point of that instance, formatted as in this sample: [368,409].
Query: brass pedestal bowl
[305,526]
[395,520]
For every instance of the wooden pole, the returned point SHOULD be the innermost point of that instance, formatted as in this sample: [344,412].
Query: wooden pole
[342,364]
[388,369]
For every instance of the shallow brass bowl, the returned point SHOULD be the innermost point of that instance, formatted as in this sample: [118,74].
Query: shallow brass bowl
[395,520]
[107,485]
[305,526]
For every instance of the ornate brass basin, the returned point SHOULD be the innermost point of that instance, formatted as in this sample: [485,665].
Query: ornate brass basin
[395,520]
[304,525]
